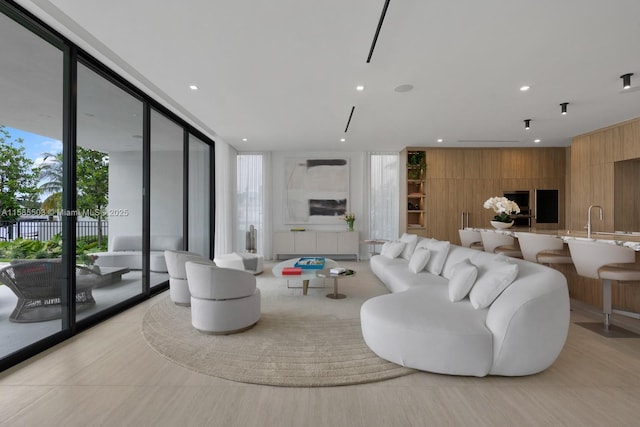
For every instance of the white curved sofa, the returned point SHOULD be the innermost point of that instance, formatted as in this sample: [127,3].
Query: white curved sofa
[126,251]
[418,326]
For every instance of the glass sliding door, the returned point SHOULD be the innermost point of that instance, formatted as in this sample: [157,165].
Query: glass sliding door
[199,197]
[109,191]
[166,193]
[32,282]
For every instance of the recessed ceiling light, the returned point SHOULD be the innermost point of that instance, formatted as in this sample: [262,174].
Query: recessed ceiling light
[524,88]
[244,139]
[440,140]
[193,87]
[536,141]
[342,139]
[359,88]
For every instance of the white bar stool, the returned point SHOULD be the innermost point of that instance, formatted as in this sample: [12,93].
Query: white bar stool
[543,249]
[607,262]
[500,243]
[471,239]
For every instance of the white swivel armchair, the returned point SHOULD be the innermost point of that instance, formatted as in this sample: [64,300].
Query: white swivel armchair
[223,300]
[178,286]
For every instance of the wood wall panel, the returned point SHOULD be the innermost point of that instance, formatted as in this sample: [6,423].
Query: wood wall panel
[592,170]
[461,179]
[592,182]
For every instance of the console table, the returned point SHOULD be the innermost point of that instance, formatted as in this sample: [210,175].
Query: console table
[316,243]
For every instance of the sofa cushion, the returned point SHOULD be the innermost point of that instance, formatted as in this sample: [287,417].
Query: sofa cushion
[439,251]
[419,260]
[493,278]
[462,280]
[392,249]
[410,241]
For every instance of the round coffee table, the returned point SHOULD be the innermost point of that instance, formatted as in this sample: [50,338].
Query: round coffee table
[307,273]
[326,273]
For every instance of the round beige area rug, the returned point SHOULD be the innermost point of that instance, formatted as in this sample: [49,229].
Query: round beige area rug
[287,347]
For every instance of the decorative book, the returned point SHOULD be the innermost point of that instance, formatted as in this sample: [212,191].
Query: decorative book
[315,263]
[337,270]
[291,271]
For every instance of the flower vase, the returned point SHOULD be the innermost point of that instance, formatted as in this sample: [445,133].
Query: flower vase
[350,225]
[498,225]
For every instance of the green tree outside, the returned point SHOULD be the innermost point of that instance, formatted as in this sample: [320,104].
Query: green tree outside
[92,171]
[18,178]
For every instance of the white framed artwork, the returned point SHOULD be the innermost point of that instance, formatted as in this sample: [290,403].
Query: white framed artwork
[316,190]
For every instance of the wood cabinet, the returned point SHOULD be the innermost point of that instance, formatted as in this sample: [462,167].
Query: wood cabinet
[300,243]
[459,180]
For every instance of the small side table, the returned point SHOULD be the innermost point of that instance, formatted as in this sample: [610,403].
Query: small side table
[326,273]
[372,245]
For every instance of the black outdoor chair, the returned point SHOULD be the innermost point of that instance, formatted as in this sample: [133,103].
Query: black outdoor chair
[38,286]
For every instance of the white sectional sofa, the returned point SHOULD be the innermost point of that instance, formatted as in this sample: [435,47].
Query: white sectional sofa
[126,251]
[521,332]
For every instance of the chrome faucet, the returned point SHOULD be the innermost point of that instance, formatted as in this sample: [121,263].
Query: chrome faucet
[589,219]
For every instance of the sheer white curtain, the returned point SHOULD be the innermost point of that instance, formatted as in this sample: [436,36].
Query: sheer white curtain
[384,185]
[225,198]
[251,199]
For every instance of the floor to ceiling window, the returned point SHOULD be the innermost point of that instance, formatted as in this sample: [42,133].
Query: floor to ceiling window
[199,197]
[92,189]
[383,196]
[250,202]
[166,204]
[109,189]
[31,282]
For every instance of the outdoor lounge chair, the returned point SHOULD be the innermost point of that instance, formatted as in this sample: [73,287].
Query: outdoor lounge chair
[38,286]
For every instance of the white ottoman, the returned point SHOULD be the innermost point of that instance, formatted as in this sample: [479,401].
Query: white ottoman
[253,263]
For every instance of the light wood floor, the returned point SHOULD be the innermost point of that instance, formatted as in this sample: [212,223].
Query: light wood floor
[109,376]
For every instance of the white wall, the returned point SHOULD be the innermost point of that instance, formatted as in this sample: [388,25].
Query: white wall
[166,193]
[125,193]
[357,181]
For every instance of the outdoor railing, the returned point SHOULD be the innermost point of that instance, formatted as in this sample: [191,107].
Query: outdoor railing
[46,230]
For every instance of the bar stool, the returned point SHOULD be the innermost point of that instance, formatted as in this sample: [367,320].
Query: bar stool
[543,249]
[499,243]
[471,239]
[607,262]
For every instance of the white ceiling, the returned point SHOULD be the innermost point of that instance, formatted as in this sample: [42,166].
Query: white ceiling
[282,73]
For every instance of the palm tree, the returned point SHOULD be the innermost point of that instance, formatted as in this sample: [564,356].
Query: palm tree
[51,178]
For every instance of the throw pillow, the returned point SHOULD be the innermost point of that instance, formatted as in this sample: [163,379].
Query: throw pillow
[493,279]
[410,241]
[419,260]
[392,249]
[424,241]
[439,251]
[463,277]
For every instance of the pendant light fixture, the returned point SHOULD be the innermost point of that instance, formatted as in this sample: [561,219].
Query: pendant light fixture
[564,108]
[527,124]
[626,80]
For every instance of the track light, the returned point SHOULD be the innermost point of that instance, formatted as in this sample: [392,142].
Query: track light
[564,108]
[527,124]
[626,80]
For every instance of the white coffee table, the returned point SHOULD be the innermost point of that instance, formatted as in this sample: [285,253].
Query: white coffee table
[307,274]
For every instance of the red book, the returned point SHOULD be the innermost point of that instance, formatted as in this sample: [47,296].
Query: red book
[291,271]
